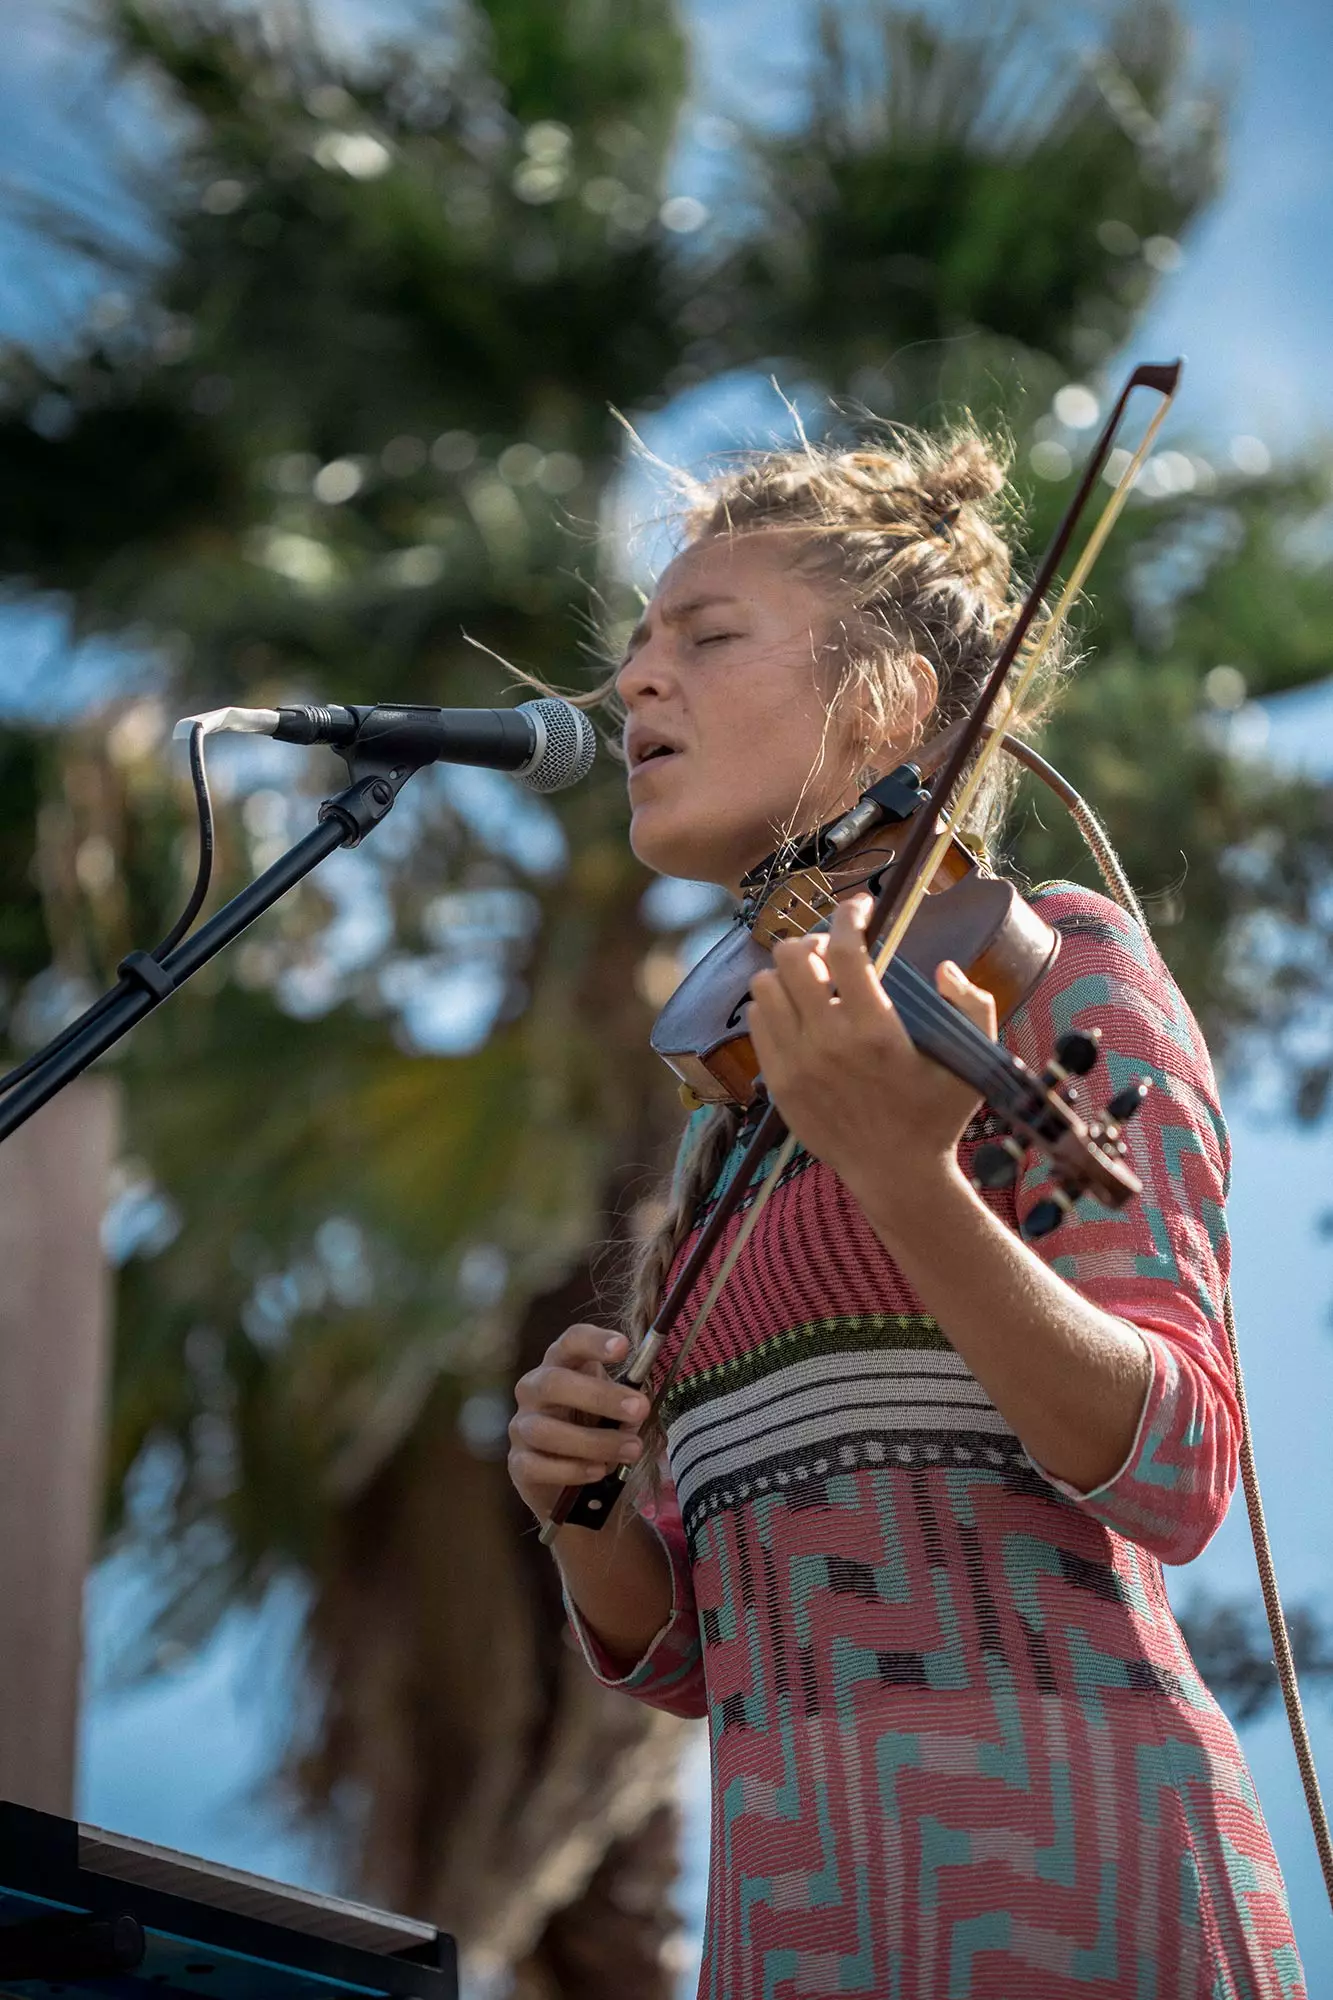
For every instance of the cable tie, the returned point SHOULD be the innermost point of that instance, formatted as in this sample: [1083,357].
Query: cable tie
[145,970]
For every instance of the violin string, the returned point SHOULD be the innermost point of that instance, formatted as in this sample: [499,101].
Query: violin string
[940,1020]
[947,1027]
[948,1022]
[880,856]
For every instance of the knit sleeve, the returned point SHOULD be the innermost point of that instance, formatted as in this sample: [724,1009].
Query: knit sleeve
[1160,1263]
[670,1673]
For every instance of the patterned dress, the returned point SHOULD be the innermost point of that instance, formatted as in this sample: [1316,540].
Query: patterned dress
[959,1748]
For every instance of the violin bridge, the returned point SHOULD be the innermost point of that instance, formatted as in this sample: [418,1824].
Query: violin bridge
[794,908]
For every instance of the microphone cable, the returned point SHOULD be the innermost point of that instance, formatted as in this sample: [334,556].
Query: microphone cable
[204,874]
[203,877]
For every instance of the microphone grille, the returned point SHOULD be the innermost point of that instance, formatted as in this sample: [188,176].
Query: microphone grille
[568,748]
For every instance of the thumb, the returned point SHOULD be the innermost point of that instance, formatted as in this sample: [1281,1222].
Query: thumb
[973,1001]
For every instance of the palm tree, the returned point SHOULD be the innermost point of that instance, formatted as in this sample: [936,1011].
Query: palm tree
[361,400]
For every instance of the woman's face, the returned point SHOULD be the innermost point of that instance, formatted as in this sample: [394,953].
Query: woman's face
[727,733]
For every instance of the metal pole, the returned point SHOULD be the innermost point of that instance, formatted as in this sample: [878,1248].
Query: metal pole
[136,1000]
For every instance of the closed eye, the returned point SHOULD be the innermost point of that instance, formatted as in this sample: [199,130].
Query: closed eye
[714,638]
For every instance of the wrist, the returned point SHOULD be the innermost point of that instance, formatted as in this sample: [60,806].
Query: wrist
[912,1199]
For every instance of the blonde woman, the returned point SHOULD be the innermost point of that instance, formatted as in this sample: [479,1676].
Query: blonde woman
[919,1476]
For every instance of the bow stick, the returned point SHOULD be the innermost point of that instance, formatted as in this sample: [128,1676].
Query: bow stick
[900,897]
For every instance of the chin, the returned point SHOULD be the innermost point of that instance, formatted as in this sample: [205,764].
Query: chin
[672,849]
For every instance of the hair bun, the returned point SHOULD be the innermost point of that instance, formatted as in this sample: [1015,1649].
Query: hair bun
[964,471]
[932,482]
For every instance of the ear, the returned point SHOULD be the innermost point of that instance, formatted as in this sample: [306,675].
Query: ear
[923,691]
[920,691]
[917,693]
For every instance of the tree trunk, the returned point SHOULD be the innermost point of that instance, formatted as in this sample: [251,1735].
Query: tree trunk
[53,1363]
[508,1797]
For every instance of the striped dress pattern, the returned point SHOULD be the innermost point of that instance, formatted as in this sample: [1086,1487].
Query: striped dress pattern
[960,1750]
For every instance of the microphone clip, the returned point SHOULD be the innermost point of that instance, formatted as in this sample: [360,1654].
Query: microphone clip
[379,763]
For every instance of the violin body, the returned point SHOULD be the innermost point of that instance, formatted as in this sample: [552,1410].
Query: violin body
[970,916]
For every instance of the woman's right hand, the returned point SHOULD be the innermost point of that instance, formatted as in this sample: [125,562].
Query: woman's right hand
[549,1447]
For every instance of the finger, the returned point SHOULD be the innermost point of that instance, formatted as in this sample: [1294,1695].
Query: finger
[591,1347]
[771,1005]
[802,970]
[553,1437]
[850,962]
[552,1388]
[528,1468]
[974,1001]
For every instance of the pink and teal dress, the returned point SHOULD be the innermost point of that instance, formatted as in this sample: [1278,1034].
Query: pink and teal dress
[959,1748]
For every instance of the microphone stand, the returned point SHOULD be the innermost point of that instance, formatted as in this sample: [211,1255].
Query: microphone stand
[145,982]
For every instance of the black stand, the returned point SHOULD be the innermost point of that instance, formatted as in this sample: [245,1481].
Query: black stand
[98,1916]
[145,982]
[71,1948]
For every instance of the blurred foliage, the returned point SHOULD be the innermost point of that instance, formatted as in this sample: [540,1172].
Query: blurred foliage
[24,945]
[1233,1650]
[925,203]
[357,401]
[1200,604]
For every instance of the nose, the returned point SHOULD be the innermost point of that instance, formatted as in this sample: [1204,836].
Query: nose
[647,671]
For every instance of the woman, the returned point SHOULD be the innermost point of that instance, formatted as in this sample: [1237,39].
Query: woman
[921,1475]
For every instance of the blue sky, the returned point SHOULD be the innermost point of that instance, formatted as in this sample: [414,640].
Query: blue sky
[184,1758]
[1252,305]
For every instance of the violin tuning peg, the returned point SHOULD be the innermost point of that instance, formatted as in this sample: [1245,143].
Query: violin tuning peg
[1127,1102]
[996,1165]
[1046,1216]
[1076,1053]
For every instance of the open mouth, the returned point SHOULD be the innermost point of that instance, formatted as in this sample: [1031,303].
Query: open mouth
[652,753]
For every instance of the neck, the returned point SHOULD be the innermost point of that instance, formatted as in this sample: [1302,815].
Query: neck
[787,849]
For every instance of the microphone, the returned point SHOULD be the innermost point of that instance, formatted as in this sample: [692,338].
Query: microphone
[546,744]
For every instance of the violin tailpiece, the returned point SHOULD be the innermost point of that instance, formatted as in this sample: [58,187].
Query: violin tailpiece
[793,909]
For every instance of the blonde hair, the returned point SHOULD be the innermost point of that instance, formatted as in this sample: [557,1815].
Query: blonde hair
[908,535]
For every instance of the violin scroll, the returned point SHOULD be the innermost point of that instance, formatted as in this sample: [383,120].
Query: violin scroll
[1075,1054]
[1088,1158]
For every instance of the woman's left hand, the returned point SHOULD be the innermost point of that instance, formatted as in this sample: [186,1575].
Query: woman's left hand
[842,1070]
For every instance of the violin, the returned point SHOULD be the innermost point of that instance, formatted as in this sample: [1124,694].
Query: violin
[968,915]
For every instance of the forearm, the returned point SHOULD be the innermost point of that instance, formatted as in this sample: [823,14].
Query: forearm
[620,1579]
[1070,1378]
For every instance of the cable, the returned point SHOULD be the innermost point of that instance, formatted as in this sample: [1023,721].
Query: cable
[67,1033]
[203,876]
[1283,1658]
[1096,838]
